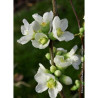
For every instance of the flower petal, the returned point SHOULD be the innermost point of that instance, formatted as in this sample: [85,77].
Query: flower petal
[76,61]
[64,24]
[59,86]
[56,23]
[73,50]
[38,18]
[40,77]
[23,30]
[52,92]
[41,87]
[26,24]
[48,16]
[35,26]
[67,36]
[40,35]
[24,39]
[61,49]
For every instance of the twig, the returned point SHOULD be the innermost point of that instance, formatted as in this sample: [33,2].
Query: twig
[81,76]
[78,21]
[51,52]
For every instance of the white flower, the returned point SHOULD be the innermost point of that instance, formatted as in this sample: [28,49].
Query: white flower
[47,17]
[47,81]
[41,41]
[69,58]
[59,27]
[28,30]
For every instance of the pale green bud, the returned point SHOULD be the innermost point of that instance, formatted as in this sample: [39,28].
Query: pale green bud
[48,56]
[59,53]
[66,80]
[74,88]
[57,73]
[77,82]
[52,68]
[81,30]
[82,59]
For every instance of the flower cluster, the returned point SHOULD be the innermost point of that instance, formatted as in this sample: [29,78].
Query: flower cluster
[40,32]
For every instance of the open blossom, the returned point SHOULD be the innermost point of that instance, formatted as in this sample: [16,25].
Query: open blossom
[47,17]
[69,58]
[28,30]
[59,27]
[41,41]
[47,81]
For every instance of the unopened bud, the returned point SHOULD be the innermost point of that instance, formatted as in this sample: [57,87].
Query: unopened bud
[66,80]
[81,30]
[77,82]
[52,68]
[58,73]
[48,56]
[74,88]
[59,53]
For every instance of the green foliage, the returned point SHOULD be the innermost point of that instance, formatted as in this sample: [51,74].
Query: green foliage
[27,58]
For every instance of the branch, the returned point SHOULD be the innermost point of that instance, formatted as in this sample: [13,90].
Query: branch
[81,76]
[78,21]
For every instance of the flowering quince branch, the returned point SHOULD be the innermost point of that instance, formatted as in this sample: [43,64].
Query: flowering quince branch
[82,41]
[42,32]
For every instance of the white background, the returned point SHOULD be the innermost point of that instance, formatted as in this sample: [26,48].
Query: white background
[6,49]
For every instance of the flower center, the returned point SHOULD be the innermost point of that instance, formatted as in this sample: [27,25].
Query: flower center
[59,32]
[62,60]
[43,40]
[51,83]
[43,24]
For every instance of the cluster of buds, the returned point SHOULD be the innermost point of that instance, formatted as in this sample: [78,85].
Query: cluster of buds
[40,32]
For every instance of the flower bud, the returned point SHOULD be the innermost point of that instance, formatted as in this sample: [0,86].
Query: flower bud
[59,53]
[48,56]
[77,82]
[57,73]
[74,88]
[82,59]
[52,68]
[81,30]
[66,80]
